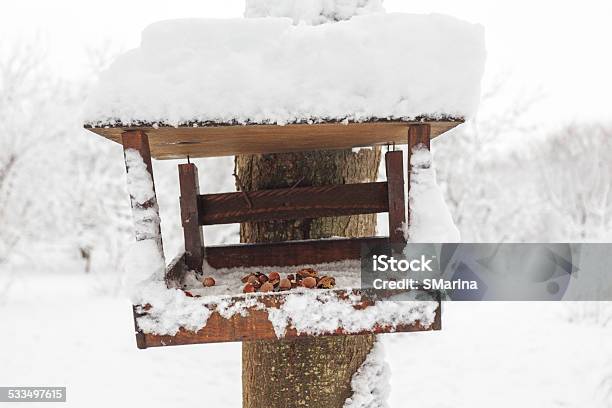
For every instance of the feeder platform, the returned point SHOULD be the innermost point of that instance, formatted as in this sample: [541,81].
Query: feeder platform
[198,210]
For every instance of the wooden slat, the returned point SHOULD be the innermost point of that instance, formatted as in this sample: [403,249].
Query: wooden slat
[418,136]
[175,272]
[394,162]
[218,140]
[255,325]
[192,232]
[296,203]
[289,253]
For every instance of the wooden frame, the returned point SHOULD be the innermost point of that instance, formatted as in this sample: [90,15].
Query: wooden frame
[198,210]
[290,253]
[288,204]
[293,203]
[256,326]
[139,141]
[219,139]
[418,137]
[194,240]
[394,164]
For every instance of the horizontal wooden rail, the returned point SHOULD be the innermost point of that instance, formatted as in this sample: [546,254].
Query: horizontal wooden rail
[289,253]
[255,325]
[293,203]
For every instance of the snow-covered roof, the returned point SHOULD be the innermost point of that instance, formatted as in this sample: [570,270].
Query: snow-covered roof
[267,70]
[312,11]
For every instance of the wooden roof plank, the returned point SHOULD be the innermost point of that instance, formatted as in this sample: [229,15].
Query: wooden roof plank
[227,140]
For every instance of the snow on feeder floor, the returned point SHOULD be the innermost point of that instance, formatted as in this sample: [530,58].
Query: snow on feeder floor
[198,314]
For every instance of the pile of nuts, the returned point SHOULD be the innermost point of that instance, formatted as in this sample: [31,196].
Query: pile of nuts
[307,278]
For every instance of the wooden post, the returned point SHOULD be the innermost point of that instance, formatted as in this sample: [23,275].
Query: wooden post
[419,135]
[194,248]
[137,140]
[394,163]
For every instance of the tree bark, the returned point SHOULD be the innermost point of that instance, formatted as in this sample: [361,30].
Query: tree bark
[314,372]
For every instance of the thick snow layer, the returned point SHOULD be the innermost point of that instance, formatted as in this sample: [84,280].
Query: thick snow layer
[316,312]
[145,261]
[143,264]
[312,11]
[267,70]
[144,207]
[430,219]
[139,181]
[370,384]
[307,311]
[170,310]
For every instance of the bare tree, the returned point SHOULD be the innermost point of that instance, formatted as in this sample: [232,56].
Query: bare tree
[482,175]
[576,180]
[26,133]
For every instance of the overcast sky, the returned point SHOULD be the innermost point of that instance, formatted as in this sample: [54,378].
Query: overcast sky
[561,47]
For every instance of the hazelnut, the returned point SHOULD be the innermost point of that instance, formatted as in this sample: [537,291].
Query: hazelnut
[285,284]
[309,282]
[266,287]
[307,272]
[245,278]
[248,288]
[274,276]
[262,278]
[253,280]
[208,282]
[326,282]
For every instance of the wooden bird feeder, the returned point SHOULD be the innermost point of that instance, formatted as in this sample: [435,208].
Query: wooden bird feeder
[198,210]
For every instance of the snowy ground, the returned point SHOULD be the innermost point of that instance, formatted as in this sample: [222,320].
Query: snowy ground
[58,329]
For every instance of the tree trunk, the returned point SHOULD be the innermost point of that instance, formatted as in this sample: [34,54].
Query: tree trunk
[315,372]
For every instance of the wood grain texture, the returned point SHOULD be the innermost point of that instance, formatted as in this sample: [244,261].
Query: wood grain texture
[419,134]
[255,324]
[394,163]
[312,372]
[289,253]
[216,140]
[192,232]
[293,203]
[418,137]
